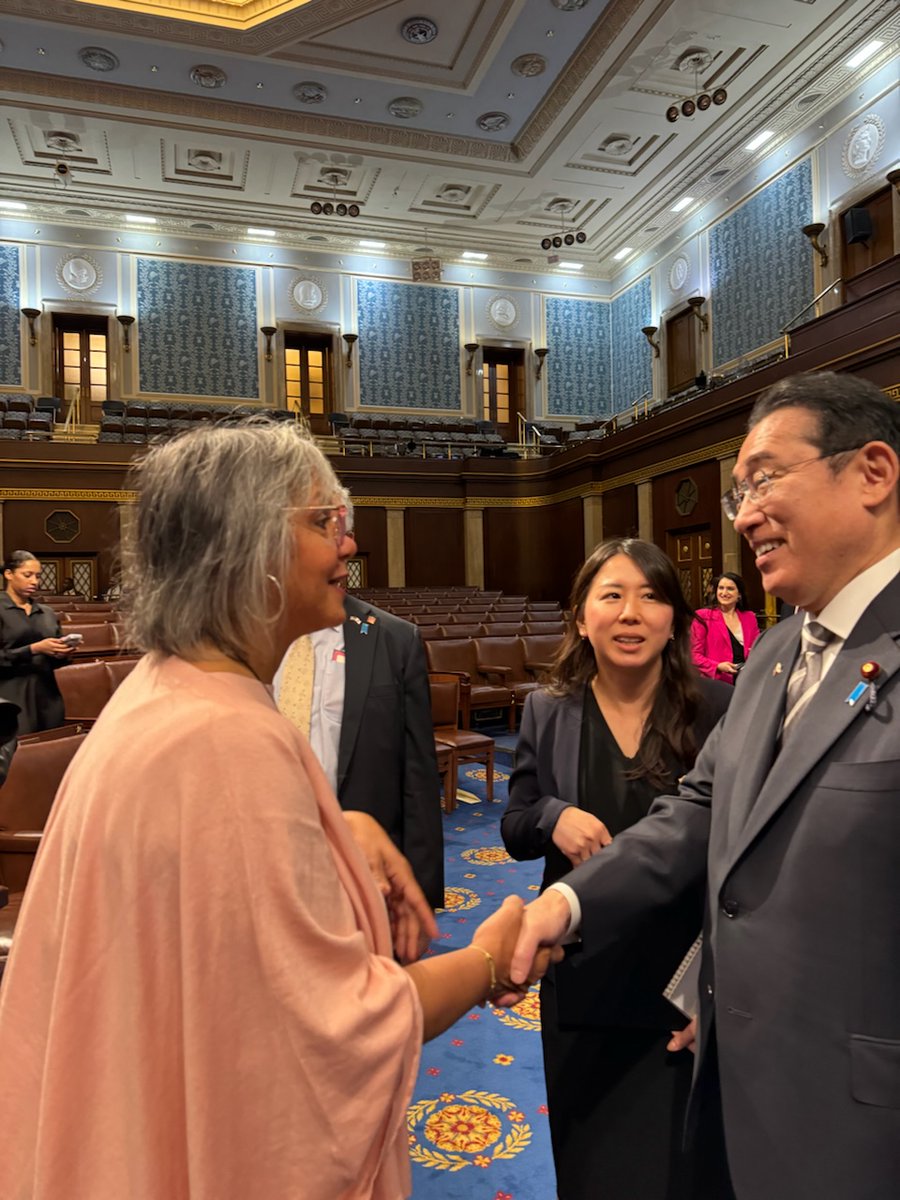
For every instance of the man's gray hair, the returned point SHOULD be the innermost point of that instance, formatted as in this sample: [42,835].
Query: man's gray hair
[211,541]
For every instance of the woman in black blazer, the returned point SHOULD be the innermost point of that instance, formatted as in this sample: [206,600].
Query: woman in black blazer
[622,716]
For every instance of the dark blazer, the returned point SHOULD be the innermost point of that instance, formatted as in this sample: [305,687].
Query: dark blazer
[801,969]
[622,986]
[386,758]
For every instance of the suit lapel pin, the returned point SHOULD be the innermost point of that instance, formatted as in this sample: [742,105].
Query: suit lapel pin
[363,629]
[870,671]
[777,669]
[357,620]
[371,620]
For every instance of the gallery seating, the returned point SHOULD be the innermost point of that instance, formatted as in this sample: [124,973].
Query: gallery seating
[86,686]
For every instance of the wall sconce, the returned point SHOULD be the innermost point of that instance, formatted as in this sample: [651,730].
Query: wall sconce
[648,331]
[893,178]
[31,315]
[471,349]
[696,303]
[812,232]
[540,355]
[350,338]
[126,323]
[268,332]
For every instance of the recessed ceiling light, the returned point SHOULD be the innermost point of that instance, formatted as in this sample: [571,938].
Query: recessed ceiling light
[139,219]
[760,140]
[369,245]
[864,54]
[623,253]
[475,255]
[260,232]
[682,203]
[567,266]
[13,205]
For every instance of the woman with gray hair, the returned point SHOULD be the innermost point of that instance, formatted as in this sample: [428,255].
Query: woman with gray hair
[202,1000]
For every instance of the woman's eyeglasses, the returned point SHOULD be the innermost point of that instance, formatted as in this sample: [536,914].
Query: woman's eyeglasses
[332,522]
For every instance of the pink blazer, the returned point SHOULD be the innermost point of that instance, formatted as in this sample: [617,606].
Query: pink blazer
[710,643]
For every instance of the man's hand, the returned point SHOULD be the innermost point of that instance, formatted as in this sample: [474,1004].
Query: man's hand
[544,925]
[579,834]
[412,921]
[684,1039]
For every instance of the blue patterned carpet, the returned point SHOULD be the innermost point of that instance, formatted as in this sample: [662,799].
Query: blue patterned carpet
[478,1120]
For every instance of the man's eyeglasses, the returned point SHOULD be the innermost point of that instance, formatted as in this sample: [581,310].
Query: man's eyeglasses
[761,482]
[333,522]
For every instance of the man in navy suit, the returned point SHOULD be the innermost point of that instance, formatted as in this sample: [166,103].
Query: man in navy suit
[792,813]
[371,728]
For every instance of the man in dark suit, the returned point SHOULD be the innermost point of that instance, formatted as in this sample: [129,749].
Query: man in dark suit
[371,728]
[792,812]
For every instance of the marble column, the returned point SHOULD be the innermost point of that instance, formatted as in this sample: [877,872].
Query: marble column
[592,510]
[731,542]
[645,510]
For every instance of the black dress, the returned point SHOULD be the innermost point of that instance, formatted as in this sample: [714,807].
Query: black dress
[617,1098]
[25,678]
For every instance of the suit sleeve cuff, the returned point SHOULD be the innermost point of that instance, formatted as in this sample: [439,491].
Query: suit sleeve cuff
[572,933]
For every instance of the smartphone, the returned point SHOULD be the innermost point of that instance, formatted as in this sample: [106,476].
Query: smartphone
[73,639]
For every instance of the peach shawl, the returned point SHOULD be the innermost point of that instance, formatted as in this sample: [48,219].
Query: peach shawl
[200,1001]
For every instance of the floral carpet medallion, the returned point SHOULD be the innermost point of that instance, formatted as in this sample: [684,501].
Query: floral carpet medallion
[458,898]
[479,774]
[525,1015]
[465,1129]
[486,856]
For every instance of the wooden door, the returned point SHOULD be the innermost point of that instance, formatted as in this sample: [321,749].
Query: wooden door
[681,351]
[81,364]
[309,378]
[691,552]
[503,390]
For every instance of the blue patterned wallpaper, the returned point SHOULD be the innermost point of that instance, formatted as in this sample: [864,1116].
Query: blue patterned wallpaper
[197,329]
[577,370]
[761,266]
[409,345]
[10,319]
[632,369]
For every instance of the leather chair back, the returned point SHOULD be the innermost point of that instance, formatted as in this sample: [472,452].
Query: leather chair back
[85,688]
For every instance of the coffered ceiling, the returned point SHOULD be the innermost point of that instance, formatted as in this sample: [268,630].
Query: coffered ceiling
[482,125]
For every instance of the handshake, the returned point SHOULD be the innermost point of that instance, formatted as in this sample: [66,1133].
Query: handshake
[522,940]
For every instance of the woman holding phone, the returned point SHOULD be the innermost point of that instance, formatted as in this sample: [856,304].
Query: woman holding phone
[31,647]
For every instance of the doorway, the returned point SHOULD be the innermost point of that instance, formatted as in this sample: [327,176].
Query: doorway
[309,378]
[81,365]
[503,390]
[691,552]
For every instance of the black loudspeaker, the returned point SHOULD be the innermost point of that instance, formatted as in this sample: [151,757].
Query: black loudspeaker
[857,225]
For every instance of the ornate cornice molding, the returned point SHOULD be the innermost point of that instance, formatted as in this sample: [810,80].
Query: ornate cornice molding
[197,113]
[109,495]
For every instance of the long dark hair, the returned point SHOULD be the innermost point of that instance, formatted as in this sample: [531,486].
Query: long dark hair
[741,605]
[668,731]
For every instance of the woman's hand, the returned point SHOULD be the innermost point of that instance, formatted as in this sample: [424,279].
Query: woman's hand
[727,668]
[55,647]
[412,921]
[579,834]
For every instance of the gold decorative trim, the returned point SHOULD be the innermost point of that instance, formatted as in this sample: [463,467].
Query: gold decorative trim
[70,494]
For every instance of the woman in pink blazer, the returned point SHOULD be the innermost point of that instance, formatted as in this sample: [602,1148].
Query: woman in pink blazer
[721,636]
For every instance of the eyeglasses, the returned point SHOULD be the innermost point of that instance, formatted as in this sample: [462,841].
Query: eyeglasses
[760,484]
[333,521]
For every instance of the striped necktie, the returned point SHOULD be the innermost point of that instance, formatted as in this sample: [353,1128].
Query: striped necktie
[805,678]
[296,693]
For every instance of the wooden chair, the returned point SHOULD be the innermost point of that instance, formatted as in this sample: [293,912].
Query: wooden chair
[26,798]
[468,746]
[508,653]
[540,649]
[448,769]
[477,690]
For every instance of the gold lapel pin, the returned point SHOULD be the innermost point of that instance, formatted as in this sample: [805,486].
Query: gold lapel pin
[777,669]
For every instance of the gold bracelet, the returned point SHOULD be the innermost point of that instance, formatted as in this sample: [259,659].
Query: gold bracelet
[492,967]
